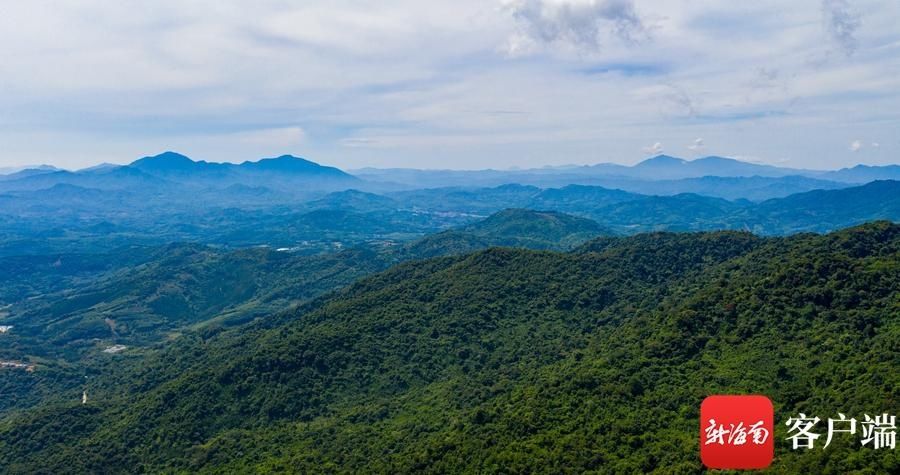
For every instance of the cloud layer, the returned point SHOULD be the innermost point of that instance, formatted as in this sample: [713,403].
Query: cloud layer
[841,23]
[458,84]
[580,25]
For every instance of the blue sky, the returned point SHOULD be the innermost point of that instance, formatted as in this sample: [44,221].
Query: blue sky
[451,84]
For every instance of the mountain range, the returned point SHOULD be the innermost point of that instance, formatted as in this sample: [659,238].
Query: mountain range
[184,316]
[172,172]
[499,360]
[658,168]
[71,218]
[662,175]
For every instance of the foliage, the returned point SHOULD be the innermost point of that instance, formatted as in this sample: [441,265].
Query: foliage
[509,360]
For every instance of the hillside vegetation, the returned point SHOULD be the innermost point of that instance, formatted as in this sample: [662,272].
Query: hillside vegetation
[510,360]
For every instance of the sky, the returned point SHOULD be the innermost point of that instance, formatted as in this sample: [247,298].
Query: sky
[451,84]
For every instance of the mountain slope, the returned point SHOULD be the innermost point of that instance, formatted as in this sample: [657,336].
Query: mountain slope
[168,162]
[511,228]
[167,289]
[513,361]
[356,200]
[864,173]
[536,229]
[294,165]
[823,210]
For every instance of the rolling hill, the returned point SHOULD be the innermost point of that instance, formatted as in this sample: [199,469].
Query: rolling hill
[509,360]
[67,308]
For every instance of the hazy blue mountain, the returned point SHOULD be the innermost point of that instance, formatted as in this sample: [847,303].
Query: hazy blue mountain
[864,173]
[661,167]
[667,167]
[172,163]
[241,191]
[579,198]
[295,180]
[510,228]
[754,188]
[469,200]
[294,165]
[66,218]
[355,199]
[684,212]
[177,173]
[6,172]
[825,210]
[117,178]
[66,201]
[101,166]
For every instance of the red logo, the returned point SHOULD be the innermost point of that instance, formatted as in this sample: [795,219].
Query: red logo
[737,432]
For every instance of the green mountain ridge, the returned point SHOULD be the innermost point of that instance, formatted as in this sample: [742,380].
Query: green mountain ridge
[510,360]
[70,307]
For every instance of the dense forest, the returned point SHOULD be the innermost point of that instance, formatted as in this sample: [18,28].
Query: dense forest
[508,360]
[68,309]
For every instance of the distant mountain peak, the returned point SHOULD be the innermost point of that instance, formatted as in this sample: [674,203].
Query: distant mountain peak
[716,158]
[290,163]
[165,161]
[100,167]
[289,157]
[171,156]
[282,162]
[662,160]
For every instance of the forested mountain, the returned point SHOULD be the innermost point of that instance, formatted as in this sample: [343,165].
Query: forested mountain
[508,360]
[66,309]
[176,178]
[512,228]
[292,202]
[830,209]
[215,315]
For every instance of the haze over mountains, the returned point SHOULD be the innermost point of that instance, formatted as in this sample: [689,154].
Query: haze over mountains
[231,317]
[662,168]
[658,168]
[295,203]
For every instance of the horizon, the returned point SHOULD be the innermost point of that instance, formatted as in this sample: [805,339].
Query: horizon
[8,170]
[469,236]
[453,85]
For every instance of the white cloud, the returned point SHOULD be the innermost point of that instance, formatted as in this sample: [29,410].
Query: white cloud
[654,149]
[697,146]
[582,25]
[856,146]
[365,83]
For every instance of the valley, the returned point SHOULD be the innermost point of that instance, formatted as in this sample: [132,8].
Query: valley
[393,331]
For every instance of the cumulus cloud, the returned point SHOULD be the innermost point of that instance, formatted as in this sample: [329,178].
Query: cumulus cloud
[856,146]
[698,145]
[580,24]
[411,83]
[654,149]
[841,23]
